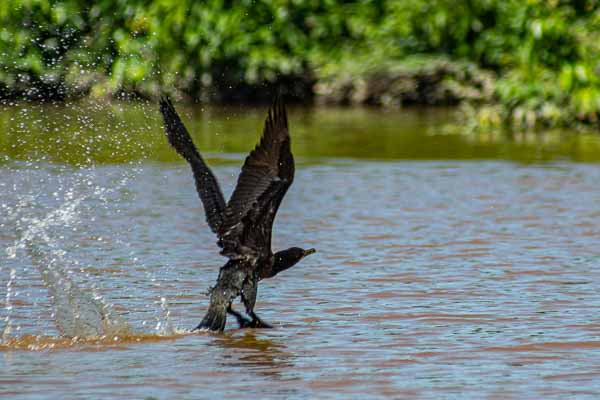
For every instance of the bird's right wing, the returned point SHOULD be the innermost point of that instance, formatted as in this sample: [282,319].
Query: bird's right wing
[206,183]
[266,176]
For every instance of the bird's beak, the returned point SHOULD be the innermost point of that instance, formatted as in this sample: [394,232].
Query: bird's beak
[309,251]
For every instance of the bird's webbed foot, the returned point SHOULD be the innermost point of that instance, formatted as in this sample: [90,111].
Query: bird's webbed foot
[242,321]
[257,322]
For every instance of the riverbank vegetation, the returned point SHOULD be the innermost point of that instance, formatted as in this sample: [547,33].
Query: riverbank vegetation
[508,63]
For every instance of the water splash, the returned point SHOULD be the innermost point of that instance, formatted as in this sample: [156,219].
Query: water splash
[164,325]
[7,330]
[38,228]
[77,312]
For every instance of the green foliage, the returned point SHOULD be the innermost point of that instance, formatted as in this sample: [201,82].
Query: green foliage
[545,55]
[538,59]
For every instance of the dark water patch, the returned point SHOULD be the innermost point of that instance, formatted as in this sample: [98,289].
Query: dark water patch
[90,133]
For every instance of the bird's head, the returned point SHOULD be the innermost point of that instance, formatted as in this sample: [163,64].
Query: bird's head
[288,258]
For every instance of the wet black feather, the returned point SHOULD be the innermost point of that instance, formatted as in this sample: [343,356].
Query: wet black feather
[244,225]
[206,184]
[265,178]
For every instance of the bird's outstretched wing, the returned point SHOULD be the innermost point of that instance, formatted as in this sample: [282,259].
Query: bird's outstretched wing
[206,183]
[265,178]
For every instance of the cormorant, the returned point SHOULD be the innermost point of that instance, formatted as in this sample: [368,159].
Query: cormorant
[243,225]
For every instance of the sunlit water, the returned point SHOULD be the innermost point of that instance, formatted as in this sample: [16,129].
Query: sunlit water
[433,279]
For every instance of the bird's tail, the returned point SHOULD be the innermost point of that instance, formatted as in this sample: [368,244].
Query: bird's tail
[214,320]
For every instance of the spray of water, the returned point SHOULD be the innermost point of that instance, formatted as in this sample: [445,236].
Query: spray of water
[164,326]
[78,313]
[7,330]
[79,310]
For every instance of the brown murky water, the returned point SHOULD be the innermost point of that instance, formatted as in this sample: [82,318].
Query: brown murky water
[433,279]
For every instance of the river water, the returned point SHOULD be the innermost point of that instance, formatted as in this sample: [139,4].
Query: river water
[447,266]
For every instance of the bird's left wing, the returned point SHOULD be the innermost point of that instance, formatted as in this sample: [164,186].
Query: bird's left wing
[206,184]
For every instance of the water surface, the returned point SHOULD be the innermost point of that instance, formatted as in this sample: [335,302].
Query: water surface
[97,133]
[447,266]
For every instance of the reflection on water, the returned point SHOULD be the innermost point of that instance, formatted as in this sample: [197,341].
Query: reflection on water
[434,279]
[91,133]
[265,356]
[99,343]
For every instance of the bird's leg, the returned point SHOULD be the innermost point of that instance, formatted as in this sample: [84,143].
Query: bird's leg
[257,322]
[249,291]
[242,321]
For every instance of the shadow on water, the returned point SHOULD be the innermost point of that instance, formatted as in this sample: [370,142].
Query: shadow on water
[264,356]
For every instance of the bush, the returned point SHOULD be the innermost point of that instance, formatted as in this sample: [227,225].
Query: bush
[538,58]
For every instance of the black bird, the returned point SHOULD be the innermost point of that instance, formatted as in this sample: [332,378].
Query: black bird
[243,225]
